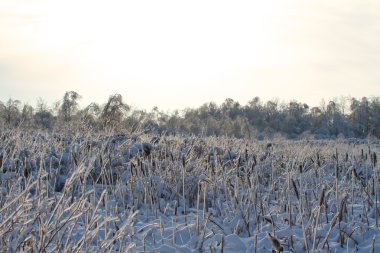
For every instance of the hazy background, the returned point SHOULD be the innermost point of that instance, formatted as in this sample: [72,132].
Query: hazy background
[176,54]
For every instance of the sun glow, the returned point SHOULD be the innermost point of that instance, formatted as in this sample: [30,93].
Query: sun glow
[163,45]
[175,54]
[166,39]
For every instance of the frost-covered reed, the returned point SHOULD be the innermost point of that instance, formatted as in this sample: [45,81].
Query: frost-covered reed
[118,193]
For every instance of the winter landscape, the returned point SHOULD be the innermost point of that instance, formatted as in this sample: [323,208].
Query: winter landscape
[189,126]
[64,189]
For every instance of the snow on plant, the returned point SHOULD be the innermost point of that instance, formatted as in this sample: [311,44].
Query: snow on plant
[116,193]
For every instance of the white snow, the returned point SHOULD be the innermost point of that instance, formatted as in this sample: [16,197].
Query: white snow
[168,196]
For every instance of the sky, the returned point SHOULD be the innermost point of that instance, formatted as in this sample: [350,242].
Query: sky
[178,54]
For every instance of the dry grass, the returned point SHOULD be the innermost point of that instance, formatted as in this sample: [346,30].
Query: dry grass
[77,193]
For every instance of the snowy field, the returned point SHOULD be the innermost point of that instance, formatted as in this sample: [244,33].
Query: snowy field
[144,193]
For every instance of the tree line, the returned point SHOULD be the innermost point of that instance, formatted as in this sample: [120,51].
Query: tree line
[344,117]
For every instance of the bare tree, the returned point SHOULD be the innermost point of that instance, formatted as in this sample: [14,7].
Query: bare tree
[43,117]
[27,115]
[11,112]
[114,110]
[90,114]
[69,105]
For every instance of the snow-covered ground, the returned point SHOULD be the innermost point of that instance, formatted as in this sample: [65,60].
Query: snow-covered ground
[121,193]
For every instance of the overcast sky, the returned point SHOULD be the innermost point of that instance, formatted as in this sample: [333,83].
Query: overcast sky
[177,54]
